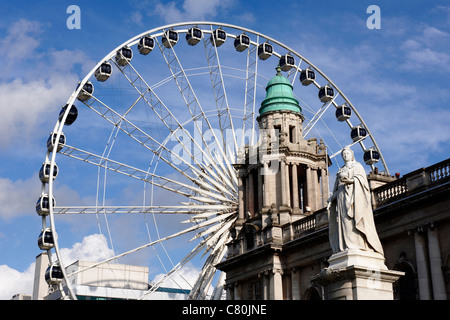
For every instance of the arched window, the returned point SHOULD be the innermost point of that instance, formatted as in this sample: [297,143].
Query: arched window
[312,293]
[405,288]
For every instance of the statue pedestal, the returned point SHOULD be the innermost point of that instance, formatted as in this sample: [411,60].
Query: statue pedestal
[357,275]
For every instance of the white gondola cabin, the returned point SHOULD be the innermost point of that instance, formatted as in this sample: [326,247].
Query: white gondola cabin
[54,274]
[287,62]
[86,92]
[71,116]
[371,156]
[343,112]
[146,45]
[52,139]
[43,205]
[170,38]
[193,36]
[265,50]
[218,37]
[326,93]
[242,42]
[44,172]
[307,76]
[124,56]
[358,133]
[45,240]
[103,72]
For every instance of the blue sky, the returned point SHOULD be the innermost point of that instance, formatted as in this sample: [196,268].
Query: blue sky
[396,76]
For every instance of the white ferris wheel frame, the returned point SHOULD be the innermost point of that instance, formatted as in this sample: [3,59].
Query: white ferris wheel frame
[157,33]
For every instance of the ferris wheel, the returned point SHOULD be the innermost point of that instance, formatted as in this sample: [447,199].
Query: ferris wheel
[147,141]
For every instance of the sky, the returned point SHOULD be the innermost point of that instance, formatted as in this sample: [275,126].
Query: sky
[396,76]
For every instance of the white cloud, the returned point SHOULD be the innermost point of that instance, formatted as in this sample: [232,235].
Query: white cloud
[20,41]
[27,104]
[33,84]
[15,196]
[427,50]
[92,248]
[191,10]
[14,282]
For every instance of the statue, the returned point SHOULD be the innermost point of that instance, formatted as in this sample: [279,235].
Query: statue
[350,216]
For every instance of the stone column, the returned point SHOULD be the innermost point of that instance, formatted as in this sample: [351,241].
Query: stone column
[260,191]
[241,195]
[251,195]
[287,186]
[266,201]
[276,285]
[284,198]
[324,177]
[266,285]
[437,278]
[316,190]
[229,291]
[295,284]
[295,200]
[309,188]
[237,291]
[422,266]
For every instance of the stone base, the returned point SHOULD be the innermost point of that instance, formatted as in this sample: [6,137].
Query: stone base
[357,275]
[354,257]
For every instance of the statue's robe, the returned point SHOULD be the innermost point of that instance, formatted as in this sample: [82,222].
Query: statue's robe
[351,224]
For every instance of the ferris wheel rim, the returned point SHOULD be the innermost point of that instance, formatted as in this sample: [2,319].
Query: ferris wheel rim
[60,123]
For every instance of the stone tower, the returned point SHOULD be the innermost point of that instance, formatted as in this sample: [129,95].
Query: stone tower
[281,180]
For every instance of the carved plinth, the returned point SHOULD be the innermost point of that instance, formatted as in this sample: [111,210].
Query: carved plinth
[357,275]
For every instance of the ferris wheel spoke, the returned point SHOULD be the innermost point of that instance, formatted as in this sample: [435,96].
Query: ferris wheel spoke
[199,291]
[199,211]
[217,230]
[167,117]
[192,103]
[156,180]
[318,115]
[152,243]
[219,237]
[220,94]
[216,242]
[146,140]
[218,289]
[175,269]
[248,121]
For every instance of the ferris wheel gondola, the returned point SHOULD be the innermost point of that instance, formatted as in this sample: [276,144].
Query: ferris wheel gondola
[218,37]
[103,72]
[194,35]
[124,56]
[287,62]
[86,92]
[265,50]
[45,240]
[242,42]
[307,76]
[170,38]
[146,45]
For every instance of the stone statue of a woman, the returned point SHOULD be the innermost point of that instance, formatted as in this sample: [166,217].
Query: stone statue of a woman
[351,224]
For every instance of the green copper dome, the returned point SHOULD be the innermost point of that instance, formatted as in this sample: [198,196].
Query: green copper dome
[279,95]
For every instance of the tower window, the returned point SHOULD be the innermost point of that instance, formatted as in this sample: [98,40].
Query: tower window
[291,134]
